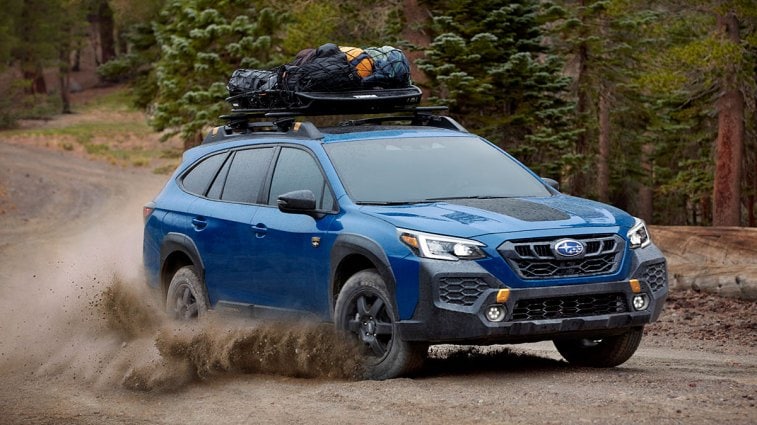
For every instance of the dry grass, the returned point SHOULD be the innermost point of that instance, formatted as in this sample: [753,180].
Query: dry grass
[104,127]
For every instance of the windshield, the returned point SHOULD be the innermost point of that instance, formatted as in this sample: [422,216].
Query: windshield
[385,171]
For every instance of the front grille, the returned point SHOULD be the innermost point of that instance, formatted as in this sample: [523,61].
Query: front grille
[560,268]
[656,276]
[536,258]
[566,307]
[461,290]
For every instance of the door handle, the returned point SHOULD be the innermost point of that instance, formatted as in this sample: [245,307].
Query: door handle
[260,230]
[199,223]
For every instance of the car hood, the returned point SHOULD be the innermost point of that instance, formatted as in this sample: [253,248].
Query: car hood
[475,217]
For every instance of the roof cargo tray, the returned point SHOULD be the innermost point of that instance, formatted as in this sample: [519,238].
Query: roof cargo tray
[273,103]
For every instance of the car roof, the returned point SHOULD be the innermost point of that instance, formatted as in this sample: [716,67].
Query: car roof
[337,134]
[346,134]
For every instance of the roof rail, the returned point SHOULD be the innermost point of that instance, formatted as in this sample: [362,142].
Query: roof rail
[282,126]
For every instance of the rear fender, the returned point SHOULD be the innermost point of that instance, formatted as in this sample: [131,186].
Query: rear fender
[179,243]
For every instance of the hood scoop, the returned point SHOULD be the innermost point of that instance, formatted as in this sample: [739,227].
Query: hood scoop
[515,208]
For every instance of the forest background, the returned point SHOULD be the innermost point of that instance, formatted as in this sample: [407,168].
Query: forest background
[648,105]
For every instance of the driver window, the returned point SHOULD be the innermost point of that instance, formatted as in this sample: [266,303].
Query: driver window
[297,170]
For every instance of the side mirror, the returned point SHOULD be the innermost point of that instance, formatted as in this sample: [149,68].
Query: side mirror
[551,183]
[297,202]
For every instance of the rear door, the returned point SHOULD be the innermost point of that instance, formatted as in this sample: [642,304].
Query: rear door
[222,231]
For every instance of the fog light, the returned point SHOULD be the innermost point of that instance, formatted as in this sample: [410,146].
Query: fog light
[640,302]
[495,313]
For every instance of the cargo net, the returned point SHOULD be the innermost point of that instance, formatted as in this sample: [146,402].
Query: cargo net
[329,68]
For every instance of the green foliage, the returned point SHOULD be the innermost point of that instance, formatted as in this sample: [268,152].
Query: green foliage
[202,42]
[9,17]
[527,74]
[312,24]
[36,34]
[120,69]
[137,65]
[357,23]
[692,64]
[664,66]
[180,58]
[488,62]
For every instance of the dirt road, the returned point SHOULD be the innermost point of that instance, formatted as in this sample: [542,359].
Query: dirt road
[70,228]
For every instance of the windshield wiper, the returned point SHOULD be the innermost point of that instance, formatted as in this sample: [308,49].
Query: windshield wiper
[452,198]
[429,200]
[388,203]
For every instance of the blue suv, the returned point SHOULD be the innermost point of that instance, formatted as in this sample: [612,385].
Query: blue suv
[404,232]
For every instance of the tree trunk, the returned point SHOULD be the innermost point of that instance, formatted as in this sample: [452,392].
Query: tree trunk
[34,74]
[64,71]
[193,141]
[603,122]
[107,40]
[65,97]
[729,146]
[94,40]
[77,58]
[645,193]
[603,160]
[416,21]
[575,179]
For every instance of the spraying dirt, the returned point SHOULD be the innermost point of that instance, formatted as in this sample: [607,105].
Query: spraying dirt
[190,352]
[75,306]
[82,341]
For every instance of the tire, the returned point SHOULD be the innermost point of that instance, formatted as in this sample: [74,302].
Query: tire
[364,309]
[606,352]
[186,299]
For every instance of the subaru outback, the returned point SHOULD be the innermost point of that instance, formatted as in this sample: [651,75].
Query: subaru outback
[402,235]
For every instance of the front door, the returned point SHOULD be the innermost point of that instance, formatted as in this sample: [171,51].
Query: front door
[292,255]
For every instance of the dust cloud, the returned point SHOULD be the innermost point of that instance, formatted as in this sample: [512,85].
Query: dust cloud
[74,306]
[171,354]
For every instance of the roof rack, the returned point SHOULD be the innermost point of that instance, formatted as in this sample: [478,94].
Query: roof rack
[282,106]
[282,103]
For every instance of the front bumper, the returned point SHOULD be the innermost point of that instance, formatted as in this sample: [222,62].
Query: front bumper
[532,314]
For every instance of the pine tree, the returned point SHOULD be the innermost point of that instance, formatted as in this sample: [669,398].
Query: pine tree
[708,67]
[202,42]
[603,41]
[490,64]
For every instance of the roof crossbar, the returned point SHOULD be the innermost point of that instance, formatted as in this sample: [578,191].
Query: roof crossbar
[421,117]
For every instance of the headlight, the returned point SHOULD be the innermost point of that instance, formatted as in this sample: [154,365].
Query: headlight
[638,235]
[441,247]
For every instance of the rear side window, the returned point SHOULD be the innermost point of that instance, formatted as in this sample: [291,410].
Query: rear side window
[298,170]
[199,177]
[217,187]
[246,174]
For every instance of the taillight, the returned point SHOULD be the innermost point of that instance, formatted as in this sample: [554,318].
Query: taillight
[147,210]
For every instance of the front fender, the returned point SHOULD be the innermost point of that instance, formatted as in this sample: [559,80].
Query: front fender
[349,244]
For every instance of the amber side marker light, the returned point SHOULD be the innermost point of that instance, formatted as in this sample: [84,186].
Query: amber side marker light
[410,240]
[503,295]
[635,285]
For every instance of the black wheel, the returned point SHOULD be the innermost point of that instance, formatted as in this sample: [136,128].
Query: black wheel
[364,309]
[186,299]
[608,351]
